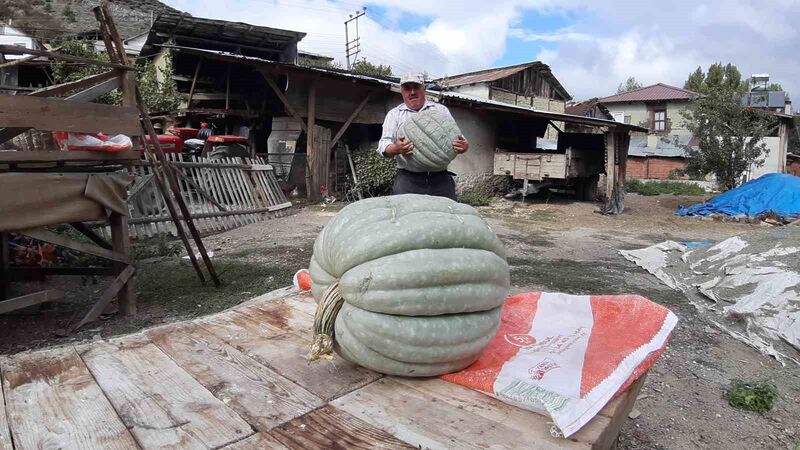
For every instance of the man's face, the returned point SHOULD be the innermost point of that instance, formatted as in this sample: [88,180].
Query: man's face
[413,95]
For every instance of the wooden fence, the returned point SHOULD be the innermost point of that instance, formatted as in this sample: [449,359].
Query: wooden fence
[221,194]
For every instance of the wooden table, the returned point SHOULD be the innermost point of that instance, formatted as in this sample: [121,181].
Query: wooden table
[240,380]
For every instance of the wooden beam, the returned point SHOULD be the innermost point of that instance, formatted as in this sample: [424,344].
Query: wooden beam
[72,156]
[194,81]
[5,264]
[116,288]
[283,99]
[88,81]
[19,61]
[624,142]
[312,185]
[228,88]
[57,115]
[89,233]
[244,212]
[349,120]
[14,50]
[57,239]
[50,295]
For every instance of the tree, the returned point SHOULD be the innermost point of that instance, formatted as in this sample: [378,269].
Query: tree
[629,85]
[717,77]
[365,67]
[729,134]
[158,95]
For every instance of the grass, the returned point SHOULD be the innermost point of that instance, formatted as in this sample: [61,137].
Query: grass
[663,187]
[157,246]
[757,397]
[173,286]
[474,198]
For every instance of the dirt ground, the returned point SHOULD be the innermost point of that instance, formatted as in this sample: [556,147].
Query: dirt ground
[554,245]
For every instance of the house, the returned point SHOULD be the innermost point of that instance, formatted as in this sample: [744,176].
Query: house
[586,108]
[21,72]
[759,96]
[658,108]
[530,84]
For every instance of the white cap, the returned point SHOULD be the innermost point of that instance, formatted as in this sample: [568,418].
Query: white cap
[412,78]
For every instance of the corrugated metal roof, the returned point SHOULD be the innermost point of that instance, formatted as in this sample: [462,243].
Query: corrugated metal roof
[497,73]
[395,86]
[582,108]
[655,92]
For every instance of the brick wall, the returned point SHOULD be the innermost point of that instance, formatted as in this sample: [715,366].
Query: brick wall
[652,168]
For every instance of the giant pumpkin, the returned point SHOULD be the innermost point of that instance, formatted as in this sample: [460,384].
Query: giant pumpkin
[432,131]
[407,285]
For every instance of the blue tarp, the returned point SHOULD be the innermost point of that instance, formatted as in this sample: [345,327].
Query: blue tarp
[776,192]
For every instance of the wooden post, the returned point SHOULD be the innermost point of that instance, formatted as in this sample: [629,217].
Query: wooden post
[120,242]
[624,140]
[194,83]
[312,184]
[783,145]
[5,262]
[610,160]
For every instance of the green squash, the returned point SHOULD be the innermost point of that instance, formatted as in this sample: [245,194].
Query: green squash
[420,281]
[432,132]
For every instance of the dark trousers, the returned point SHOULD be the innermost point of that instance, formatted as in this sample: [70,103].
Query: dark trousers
[428,183]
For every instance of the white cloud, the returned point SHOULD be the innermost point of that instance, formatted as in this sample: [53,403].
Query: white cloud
[655,42]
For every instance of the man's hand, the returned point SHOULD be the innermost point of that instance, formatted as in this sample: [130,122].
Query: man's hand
[401,146]
[460,145]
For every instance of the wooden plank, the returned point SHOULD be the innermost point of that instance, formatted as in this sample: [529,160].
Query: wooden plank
[159,402]
[231,187]
[312,156]
[200,191]
[258,441]
[221,183]
[121,244]
[407,414]
[114,289]
[53,238]
[14,50]
[282,97]
[286,353]
[5,432]
[304,303]
[25,301]
[5,265]
[523,421]
[87,81]
[618,410]
[329,427]
[89,233]
[53,402]
[211,203]
[194,81]
[52,114]
[71,156]
[260,395]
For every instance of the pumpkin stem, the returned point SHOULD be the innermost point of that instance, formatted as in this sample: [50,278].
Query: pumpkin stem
[324,321]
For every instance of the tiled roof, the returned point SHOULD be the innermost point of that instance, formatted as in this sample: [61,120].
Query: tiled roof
[655,92]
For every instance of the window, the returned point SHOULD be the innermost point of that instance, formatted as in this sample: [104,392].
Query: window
[628,119]
[618,116]
[660,120]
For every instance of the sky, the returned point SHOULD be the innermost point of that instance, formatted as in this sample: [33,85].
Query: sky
[590,46]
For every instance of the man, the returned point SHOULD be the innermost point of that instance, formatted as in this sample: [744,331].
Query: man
[393,145]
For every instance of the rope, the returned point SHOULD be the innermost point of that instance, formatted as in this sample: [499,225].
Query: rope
[324,321]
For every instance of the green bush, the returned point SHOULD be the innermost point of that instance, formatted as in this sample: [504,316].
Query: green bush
[757,397]
[375,173]
[473,198]
[662,187]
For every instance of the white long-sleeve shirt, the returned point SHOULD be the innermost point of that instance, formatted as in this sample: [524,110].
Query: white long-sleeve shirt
[393,126]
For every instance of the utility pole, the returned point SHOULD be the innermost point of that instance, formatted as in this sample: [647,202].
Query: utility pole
[352,48]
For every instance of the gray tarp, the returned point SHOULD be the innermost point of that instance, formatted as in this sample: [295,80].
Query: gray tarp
[752,280]
[29,200]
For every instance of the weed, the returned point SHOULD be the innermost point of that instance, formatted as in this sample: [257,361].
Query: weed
[663,187]
[757,396]
[160,246]
[473,198]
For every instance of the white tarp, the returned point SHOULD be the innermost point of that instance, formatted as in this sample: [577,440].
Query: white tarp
[753,278]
